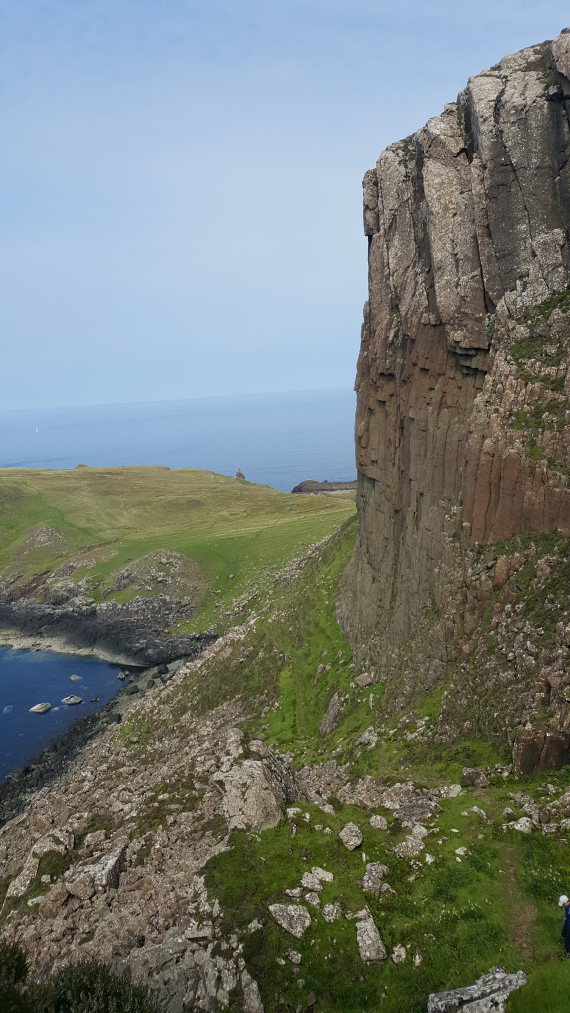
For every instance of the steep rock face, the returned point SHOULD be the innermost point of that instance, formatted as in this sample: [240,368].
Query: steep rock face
[463,391]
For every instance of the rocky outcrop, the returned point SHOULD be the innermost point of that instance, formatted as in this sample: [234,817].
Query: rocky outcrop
[488,995]
[255,792]
[310,487]
[463,417]
[135,632]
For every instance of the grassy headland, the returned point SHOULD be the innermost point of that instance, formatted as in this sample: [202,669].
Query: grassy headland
[101,526]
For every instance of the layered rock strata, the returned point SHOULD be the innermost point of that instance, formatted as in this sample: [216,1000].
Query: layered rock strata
[462,428]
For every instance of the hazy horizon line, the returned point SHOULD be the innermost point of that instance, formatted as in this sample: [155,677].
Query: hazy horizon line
[174,400]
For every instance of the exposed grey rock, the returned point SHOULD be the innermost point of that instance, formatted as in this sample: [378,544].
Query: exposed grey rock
[488,995]
[295,892]
[379,822]
[332,912]
[72,700]
[449,791]
[294,956]
[411,845]
[56,840]
[364,680]
[251,998]
[371,882]
[311,882]
[255,792]
[474,777]
[351,836]
[86,879]
[40,708]
[313,898]
[398,954]
[294,918]
[468,225]
[330,719]
[368,738]
[524,825]
[416,811]
[370,945]
[322,874]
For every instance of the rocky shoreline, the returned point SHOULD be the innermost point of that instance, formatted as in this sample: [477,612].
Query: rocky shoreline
[131,633]
[51,762]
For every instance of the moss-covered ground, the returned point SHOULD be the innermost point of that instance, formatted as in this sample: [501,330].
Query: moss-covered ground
[465,914]
[494,906]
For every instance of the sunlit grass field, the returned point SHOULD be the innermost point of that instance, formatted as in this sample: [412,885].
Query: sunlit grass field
[236,532]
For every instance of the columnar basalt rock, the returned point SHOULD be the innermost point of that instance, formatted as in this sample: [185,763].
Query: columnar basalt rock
[463,416]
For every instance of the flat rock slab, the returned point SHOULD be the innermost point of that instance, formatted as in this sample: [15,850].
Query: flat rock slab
[294,918]
[488,995]
[370,945]
[72,700]
[40,708]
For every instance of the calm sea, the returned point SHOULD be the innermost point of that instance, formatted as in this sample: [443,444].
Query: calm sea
[31,677]
[276,439]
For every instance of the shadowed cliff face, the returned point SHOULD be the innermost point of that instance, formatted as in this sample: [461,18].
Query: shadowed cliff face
[462,428]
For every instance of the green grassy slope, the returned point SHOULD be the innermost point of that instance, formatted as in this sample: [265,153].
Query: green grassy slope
[496,905]
[235,532]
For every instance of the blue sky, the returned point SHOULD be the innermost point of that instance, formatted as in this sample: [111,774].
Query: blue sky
[181,197]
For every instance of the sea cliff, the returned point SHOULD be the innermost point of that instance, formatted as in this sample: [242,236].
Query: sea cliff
[462,429]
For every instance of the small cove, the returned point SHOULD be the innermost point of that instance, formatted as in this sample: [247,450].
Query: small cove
[29,677]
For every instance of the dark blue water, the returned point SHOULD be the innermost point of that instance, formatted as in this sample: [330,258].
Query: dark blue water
[31,677]
[276,439]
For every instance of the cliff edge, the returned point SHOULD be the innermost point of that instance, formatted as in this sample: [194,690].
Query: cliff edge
[458,584]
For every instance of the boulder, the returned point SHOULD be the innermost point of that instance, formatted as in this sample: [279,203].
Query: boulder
[379,822]
[364,680]
[255,792]
[474,777]
[413,844]
[311,882]
[330,719]
[294,918]
[332,912]
[370,945]
[398,954]
[351,836]
[524,825]
[56,840]
[90,878]
[40,708]
[371,882]
[368,738]
[72,700]
[417,810]
[488,995]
